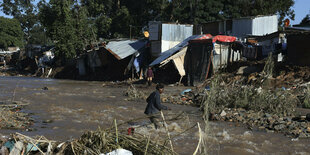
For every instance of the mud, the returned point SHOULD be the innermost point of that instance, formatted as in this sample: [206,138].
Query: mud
[64,109]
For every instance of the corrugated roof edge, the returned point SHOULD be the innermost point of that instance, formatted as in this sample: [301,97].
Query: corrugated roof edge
[252,17]
[173,50]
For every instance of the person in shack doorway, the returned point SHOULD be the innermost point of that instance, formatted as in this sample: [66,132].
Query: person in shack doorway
[149,76]
[154,106]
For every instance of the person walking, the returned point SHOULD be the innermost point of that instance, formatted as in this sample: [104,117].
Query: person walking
[154,106]
[149,76]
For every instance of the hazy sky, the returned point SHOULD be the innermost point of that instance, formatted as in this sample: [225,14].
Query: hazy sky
[301,7]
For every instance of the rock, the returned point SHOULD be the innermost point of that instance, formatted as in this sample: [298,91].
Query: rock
[270,120]
[47,121]
[223,113]
[239,118]
[267,115]
[269,131]
[164,99]
[279,127]
[261,127]
[302,135]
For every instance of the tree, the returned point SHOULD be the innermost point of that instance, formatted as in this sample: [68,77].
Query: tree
[100,13]
[10,32]
[66,23]
[25,12]
[306,20]
[57,19]
[245,8]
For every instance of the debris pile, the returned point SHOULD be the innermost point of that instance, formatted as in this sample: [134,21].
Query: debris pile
[273,110]
[134,94]
[295,126]
[11,117]
[91,142]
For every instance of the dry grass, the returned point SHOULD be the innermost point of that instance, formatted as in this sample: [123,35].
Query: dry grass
[222,96]
[134,94]
[307,97]
[268,70]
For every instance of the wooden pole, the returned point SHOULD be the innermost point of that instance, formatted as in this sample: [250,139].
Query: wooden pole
[168,134]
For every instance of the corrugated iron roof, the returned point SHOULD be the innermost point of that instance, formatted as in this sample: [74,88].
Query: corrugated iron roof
[173,50]
[125,48]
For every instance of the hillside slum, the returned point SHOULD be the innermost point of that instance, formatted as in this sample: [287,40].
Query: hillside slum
[236,71]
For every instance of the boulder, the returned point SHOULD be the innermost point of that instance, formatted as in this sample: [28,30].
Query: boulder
[223,113]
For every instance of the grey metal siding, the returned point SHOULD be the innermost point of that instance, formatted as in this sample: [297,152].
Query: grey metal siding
[258,26]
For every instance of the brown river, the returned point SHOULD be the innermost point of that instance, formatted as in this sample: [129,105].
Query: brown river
[73,107]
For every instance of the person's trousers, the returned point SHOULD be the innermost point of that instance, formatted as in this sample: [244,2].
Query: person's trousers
[155,120]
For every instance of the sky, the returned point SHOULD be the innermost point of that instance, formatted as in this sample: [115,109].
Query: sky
[301,8]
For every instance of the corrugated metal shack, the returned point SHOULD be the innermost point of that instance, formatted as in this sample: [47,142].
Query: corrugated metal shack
[206,56]
[115,60]
[265,44]
[298,50]
[173,59]
[164,36]
[193,58]
[259,26]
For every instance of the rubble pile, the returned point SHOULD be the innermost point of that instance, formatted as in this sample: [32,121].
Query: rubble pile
[91,142]
[295,126]
[134,94]
[273,110]
[12,118]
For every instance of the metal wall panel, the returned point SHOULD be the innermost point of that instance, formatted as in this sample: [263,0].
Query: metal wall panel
[265,25]
[258,26]
[172,34]
[154,30]
[155,48]
[241,27]
[176,32]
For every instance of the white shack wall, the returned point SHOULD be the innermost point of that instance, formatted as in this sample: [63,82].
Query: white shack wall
[265,25]
[221,55]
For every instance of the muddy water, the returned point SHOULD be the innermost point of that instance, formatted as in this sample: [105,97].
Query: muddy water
[76,106]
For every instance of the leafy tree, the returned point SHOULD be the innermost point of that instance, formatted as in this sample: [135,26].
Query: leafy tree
[10,32]
[66,23]
[25,12]
[38,36]
[244,8]
[57,18]
[100,13]
[306,20]
[120,23]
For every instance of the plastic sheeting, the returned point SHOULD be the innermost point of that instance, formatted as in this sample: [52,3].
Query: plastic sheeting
[225,39]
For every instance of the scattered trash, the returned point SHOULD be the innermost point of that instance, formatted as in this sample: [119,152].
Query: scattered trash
[185,91]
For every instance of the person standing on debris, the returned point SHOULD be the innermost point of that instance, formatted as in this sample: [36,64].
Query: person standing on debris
[154,106]
[149,75]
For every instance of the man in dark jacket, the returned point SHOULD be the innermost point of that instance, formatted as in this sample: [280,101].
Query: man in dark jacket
[153,105]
